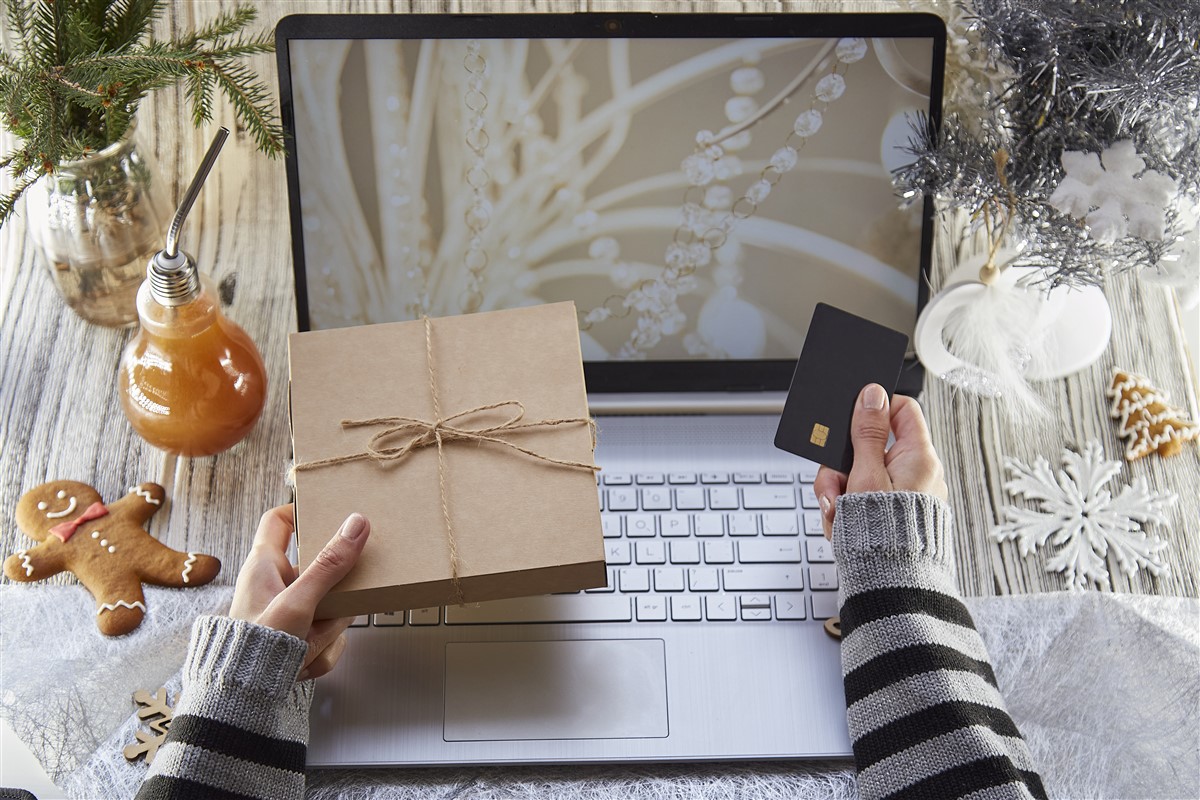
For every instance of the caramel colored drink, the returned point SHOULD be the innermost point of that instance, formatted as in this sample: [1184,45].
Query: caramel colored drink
[192,382]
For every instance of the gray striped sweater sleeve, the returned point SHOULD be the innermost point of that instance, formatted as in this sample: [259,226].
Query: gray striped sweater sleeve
[925,715]
[240,728]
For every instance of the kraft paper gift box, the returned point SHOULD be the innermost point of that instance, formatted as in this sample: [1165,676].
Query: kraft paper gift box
[521,524]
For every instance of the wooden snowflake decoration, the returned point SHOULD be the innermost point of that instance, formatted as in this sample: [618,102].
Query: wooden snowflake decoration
[1084,520]
[1149,423]
[156,710]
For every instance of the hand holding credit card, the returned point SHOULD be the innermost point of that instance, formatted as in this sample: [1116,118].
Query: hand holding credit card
[842,354]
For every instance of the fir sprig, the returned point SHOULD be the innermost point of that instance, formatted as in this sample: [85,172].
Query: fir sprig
[81,68]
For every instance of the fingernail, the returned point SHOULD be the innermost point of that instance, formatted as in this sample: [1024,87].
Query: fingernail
[354,527]
[303,676]
[826,506]
[874,397]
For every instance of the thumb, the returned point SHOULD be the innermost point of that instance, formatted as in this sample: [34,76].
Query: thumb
[869,430]
[294,607]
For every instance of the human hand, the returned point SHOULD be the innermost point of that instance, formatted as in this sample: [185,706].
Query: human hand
[272,592]
[910,464]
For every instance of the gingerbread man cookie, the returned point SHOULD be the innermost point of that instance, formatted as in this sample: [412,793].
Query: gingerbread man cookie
[107,547]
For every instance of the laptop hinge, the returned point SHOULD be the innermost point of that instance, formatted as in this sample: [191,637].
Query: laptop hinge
[615,403]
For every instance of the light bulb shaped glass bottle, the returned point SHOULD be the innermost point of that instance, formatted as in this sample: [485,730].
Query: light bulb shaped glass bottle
[192,382]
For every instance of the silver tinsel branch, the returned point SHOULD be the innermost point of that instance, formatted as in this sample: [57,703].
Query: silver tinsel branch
[1084,75]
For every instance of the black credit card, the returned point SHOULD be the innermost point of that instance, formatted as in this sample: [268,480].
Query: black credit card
[842,354]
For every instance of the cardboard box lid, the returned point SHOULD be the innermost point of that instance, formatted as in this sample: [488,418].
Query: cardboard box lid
[510,511]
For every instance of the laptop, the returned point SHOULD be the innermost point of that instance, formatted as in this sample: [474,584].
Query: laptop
[695,183]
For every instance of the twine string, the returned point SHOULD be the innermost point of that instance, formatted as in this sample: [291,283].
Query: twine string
[382,449]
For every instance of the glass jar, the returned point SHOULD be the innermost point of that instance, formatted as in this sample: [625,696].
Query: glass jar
[97,221]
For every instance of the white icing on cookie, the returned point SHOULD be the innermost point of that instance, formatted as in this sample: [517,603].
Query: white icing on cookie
[187,566]
[112,549]
[145,495]
[121,604]
[59,514]
[95,534]
[24,554]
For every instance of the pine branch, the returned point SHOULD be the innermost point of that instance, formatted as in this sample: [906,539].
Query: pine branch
[251,102]
[128,21]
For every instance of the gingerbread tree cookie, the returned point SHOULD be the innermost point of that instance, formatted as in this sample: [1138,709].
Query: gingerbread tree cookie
[1149,422]
[107,547]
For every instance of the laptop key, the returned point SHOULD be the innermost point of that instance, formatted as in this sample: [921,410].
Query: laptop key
[681,477]
[617,553]
[718,551]
[653,552]
[823,577]
[819,551]
[425,616]
[617,478]
[622,499]
[756,614]
[708,524]
[635,580]
[722,498]
[808,498]
[714,477]
[742,524]
[388,619]
[747,477]
[808,472]
[703,579]
[824,605]
[766,551]
[651,608]
[768,497]
[546,608]
[640,526]
[361,621]
[686,551]
[685,609]
[779,523]
[720,608]
[657,498]
[689,499]
[812,524]
[649,478]
[755,601]
[750,579]
[611,525]
[779,477]
[674,525]
[789,605]
[668,579]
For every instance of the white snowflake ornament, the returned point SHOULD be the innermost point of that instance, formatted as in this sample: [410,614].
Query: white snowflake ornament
[1114,193]
[1083,519]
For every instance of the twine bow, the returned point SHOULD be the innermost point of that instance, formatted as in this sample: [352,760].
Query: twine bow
[438,431]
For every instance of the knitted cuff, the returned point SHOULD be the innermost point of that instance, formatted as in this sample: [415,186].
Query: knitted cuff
[900,524]
[233,652]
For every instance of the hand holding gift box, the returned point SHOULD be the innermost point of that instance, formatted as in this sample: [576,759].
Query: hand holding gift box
[467,443]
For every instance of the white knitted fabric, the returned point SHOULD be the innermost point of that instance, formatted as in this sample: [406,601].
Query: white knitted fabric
[1105,688]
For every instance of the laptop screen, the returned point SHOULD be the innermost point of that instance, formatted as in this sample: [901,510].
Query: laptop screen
[694,183]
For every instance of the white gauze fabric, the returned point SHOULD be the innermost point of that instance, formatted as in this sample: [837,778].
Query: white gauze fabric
[1105,688]
[64,686]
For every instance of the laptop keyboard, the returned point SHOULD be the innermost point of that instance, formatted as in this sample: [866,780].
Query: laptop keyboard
[685,547]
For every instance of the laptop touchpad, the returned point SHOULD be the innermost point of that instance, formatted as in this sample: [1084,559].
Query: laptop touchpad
[581,689]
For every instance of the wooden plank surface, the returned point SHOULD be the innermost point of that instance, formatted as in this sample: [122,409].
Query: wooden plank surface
[61,416]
